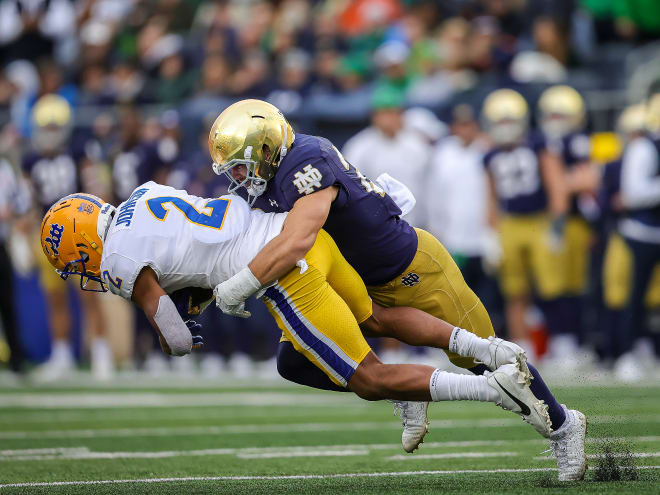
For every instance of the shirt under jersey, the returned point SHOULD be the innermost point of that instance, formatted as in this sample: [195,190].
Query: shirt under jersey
[363,220]
[164,228]
[516,172]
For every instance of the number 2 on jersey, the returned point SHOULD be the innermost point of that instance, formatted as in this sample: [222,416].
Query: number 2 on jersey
[213,220]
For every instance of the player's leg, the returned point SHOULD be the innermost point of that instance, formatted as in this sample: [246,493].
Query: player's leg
[100,353]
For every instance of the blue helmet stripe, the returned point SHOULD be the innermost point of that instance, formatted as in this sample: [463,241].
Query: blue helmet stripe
[91,199]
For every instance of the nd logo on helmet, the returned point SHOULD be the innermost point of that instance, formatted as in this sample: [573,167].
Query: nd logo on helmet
[55,237]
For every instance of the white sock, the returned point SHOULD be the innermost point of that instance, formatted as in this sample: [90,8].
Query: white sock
[100,349]
[61,351]
[451,386]
[467,344]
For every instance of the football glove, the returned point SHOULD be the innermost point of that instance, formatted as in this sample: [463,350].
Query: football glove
[194,327]
[230,295]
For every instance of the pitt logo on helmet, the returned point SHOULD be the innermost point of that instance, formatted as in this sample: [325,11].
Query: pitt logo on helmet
[54,239]
[72,234]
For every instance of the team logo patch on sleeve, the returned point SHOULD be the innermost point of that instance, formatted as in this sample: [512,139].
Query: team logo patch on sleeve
[411,279]
[55,237]
[307,180]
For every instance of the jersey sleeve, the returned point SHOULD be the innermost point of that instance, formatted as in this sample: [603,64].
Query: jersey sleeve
[487,159]
[119,273]
[307,178]
[538,143]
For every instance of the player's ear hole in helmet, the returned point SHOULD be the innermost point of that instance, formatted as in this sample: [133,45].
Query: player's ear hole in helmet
[252,134]
[72,234]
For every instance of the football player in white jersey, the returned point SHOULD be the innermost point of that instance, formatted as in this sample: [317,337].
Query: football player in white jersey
[162,239]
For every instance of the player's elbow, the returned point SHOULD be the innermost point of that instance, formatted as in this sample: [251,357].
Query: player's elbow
[300,245]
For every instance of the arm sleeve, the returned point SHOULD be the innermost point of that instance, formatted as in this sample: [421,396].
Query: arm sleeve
[640,184]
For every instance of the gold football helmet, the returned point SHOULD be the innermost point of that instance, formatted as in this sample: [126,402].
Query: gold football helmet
[632,120]
[252,133]
[506,116]
[52,123]
[562,111]
[72,234]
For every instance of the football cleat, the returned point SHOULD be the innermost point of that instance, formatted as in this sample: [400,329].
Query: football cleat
[512,384]
[567,445]
[415,423]
[504,352]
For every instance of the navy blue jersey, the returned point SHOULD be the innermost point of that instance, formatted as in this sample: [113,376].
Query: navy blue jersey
[610,185]
[363,220]
[573,149]
[517,176]
[52,177]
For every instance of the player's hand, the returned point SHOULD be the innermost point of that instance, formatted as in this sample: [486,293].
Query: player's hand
[194,327]
[228,302]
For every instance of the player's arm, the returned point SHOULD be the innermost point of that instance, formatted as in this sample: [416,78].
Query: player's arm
[280,255]
[301,227]
[552,171]
[175,337]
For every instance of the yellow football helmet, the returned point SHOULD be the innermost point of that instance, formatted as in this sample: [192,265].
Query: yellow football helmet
[506,116]
[72,234]
[252,133]
[562,111]
[52,123]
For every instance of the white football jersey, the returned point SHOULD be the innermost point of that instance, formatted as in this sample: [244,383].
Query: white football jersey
[187,240]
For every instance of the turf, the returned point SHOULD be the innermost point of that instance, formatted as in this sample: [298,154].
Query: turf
[331,442]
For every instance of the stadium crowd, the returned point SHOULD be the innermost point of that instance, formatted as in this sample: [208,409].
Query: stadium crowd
[103,95]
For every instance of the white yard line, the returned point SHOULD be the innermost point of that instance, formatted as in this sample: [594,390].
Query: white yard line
[285,477]
[50,400]
[270,428]
[457,455]
[639,455]
[79,453]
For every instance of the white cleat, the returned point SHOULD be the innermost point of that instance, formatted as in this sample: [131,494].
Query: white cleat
[567,444]
[504,352]
[415,423]
[516,396]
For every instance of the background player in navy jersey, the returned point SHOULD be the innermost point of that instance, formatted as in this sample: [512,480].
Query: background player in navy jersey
[255,146]
[53,168]
[562,117]
[527,208]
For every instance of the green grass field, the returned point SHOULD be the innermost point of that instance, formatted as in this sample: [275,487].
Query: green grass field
[278,438]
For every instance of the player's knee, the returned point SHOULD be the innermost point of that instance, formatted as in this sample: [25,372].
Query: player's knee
[367,384]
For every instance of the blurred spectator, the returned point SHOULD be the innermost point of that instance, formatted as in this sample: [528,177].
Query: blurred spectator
[387,147]
[293,83]
[456,195]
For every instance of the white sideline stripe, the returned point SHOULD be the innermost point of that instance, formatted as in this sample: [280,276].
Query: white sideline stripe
[285,477]
[47,400]
[458,455]
[257,428]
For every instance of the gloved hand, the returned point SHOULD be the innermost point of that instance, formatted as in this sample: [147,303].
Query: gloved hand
[230,295]
[194,327]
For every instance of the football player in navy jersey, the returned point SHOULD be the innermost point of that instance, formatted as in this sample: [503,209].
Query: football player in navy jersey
[253,144]
[528,209]
[52,166]
[562,118]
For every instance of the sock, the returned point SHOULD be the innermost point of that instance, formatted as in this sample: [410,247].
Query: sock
[467,344]
[61,351]
[561,431]
[541,391]
[451,386]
